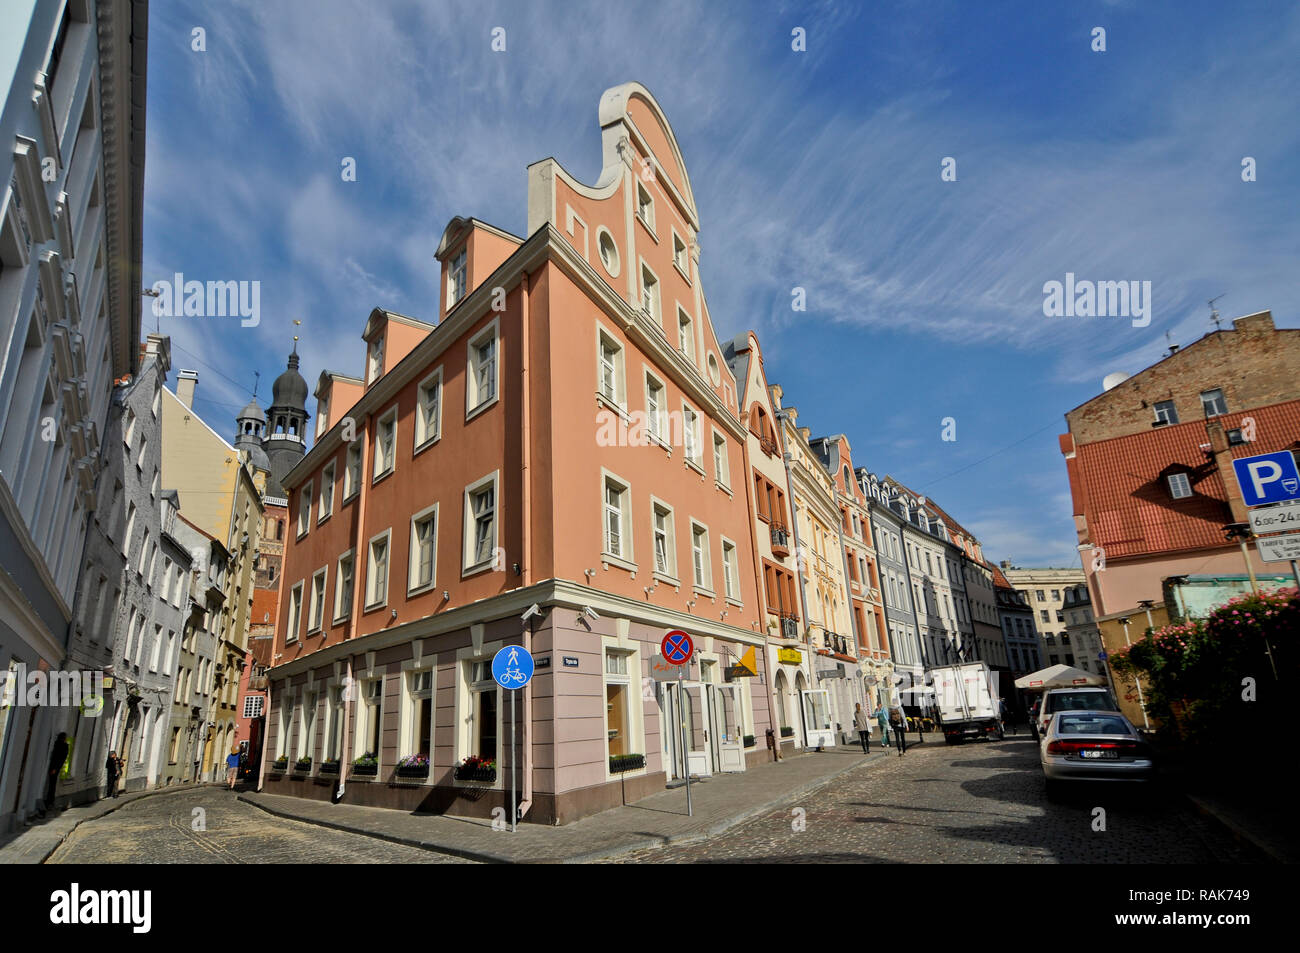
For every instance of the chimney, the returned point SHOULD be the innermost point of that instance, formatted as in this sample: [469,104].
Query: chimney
[1221,451]
[186,381]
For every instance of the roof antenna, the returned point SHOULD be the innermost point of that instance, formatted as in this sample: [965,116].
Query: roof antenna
[257,377]
[1214,312]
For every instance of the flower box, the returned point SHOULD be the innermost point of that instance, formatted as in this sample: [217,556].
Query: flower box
[475,773]
[280,764]
[302,765]
[749,741]
[413,766]
[329,767]
[365,770]
[626,762]
[787,732]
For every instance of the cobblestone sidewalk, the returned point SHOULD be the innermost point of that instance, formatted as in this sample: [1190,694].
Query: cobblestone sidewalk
[719,803]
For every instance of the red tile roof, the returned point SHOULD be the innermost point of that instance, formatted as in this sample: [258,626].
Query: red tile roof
[1119,484]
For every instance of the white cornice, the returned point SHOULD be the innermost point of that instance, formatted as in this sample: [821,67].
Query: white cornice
[556,594]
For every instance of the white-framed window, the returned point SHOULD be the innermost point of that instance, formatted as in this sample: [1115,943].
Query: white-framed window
[385,445]
[417,714]
[691,435]
[649,292]
[665,538]
[295,613]
[656,408]
[322,415]
[144,446]
[326,493]
[1211,400]
[166,592]
[721,469]
[286,723]
[645,207]
[622,722]
[170,659]
[1180,487]
[482,726]
[335,713]
[316,610]
[128,428]
[423,561]
[344,577]
[307,726]
[1166,412]
[377,570]
[352,471]
[130,529]
[681,256]
[730,570]
[155,653]
[144,554]
[375,360]
[370,711]
[304,509]
[685,334]
[481,379]
[130,636]
[610,378]
[428,410]
[157,400]
[700,564]
[457,279]
[480,540]
[153,486]
[616,505]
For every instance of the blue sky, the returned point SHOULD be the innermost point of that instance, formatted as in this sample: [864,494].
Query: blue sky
[816,169]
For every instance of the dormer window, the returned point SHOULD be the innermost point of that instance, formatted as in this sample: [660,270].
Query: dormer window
[1165,412]
[456,280]
[375,366]
[1214,403]
[1180,487]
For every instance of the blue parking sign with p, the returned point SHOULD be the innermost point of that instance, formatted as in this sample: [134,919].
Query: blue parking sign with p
[1267,478]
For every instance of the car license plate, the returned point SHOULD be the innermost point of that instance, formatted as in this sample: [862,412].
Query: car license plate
[1099,753]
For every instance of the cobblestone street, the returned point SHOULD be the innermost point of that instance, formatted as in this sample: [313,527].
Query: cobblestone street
[157,830]
[974,803]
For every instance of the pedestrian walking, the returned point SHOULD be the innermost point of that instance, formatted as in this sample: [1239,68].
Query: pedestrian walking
[882,719]
[863,725]
[232,767]
[114,768]
[57,756]
[899,726]
[1004,714]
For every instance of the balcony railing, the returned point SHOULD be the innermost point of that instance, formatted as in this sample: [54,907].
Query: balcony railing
[789,627]
[780,540]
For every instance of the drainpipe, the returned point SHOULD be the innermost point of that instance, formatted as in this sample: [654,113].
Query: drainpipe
[526,508]
[345,756]
[783,416]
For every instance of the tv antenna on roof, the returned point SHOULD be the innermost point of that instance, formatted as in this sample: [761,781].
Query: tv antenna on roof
[1214,312]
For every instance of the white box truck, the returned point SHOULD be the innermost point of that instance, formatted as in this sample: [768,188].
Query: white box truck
[966,699]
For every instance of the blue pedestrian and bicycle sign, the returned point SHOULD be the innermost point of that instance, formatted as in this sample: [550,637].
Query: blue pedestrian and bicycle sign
[1267,478]
[512,667]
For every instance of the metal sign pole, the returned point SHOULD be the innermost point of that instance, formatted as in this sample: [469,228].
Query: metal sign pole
[1295,571]
[514,804]
[686,751]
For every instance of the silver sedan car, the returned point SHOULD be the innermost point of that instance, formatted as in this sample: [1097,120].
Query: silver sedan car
[1093,746]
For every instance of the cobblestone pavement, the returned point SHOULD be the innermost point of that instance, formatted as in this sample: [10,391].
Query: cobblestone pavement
[158,830]
[975,803]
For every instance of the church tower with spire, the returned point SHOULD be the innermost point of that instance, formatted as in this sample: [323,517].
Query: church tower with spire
[286,424]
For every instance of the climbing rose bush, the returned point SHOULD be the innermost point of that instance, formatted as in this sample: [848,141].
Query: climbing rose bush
[1210,680]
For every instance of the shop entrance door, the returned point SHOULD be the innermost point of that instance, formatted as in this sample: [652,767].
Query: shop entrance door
[728,740]
[819,732]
